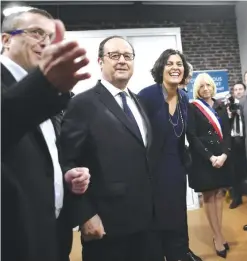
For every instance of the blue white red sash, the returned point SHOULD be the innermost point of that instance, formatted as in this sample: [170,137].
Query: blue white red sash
[210,116]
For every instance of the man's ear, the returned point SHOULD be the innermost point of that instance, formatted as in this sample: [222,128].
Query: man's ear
[6,38]
[100,61]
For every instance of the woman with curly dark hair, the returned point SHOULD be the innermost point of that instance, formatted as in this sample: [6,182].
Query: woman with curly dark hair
[166,106]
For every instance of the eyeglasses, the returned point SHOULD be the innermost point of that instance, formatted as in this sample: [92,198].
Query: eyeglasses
[116,56]
[36,33]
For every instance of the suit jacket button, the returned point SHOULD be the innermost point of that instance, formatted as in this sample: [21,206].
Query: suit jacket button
[209,132]
[206,149]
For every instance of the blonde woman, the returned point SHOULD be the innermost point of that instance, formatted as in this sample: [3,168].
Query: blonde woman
[209,138]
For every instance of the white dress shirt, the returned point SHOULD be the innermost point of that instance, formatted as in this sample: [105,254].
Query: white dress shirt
[132,105]
[234,127]
[49,135]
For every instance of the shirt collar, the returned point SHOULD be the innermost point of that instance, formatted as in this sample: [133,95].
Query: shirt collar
[16,70]
[112,89]
[165,93]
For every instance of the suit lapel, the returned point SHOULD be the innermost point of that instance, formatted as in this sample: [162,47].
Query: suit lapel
[109,101]
[184,107]
[8,80]
[6,77]
[145,118]
[160,112]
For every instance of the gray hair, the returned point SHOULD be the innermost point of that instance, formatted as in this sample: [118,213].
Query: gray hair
[11,21]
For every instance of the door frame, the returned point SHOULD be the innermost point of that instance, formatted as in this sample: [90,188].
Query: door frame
[135,32]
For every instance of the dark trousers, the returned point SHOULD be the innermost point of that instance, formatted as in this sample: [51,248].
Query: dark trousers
[172,244]
[239,165]
[65,238]
[143,246]
[132,247]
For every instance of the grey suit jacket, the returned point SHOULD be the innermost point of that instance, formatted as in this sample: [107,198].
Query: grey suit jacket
[243,108]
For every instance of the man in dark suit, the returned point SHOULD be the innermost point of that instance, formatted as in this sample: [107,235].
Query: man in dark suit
[237,143]
[243,109]
[106,130]
[33,192]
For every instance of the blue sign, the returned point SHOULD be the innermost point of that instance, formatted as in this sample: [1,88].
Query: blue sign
[220,78]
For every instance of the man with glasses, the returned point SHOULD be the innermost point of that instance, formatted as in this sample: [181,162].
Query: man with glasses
[36,79]
[107,130]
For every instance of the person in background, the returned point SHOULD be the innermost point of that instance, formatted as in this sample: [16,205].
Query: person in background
[107,130]
[210,145]
[245,78]
[238,145]
[166,106]
[243,110]
[187,80]
[38,71]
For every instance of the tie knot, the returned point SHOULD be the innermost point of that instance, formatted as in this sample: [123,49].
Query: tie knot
[123,95]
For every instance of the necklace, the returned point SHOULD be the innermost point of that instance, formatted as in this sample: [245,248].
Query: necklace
[179,115]
[170,118]
[175,124]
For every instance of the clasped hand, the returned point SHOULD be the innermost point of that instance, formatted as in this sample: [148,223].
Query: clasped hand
[218,161]
[93,229]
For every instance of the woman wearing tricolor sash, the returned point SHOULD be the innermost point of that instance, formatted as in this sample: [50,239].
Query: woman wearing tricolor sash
[210,145]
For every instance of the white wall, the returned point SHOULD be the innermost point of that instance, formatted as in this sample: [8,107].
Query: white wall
[241,15]
[149,43]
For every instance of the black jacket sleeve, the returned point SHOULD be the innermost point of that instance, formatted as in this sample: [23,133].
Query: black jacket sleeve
[26,104]
[73,140]
[226,130]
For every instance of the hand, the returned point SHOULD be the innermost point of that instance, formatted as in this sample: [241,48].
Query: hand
[229,112]
[93,229]
[78,179]
[220,161]
[58,61]
[213,160]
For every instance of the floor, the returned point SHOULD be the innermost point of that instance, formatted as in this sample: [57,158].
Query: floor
[201,237]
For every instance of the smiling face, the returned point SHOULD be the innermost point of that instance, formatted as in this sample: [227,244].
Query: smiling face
[205,89]
[117,70]
[173,71]
[25,49]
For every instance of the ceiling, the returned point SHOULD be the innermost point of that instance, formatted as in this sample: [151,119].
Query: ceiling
[79,15]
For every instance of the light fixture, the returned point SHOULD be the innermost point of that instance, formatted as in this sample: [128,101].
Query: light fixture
[71,3]
[105,3]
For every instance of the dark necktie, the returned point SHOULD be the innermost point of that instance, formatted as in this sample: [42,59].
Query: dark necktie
[129,114]
[237,124]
